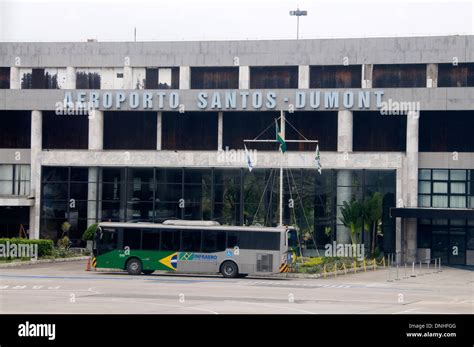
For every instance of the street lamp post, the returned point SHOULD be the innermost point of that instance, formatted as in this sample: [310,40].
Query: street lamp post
[298,13]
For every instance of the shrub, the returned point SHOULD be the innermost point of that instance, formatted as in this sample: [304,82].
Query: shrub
[89,233]
[45,247]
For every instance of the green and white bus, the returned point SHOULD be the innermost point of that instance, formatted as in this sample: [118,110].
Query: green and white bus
[193,247]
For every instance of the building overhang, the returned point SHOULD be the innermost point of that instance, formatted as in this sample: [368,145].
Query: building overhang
[16,201]
[430,212]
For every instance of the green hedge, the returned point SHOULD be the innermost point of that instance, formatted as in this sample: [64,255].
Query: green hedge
[45,247]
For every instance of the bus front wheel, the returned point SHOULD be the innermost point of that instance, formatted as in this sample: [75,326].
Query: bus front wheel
[229,269]
[134,267]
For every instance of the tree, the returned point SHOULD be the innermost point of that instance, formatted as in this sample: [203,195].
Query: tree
[352,218]
[376,210]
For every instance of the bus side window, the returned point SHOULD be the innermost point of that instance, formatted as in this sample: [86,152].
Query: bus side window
[191,240]
[132,238]
[233,239]
[213,241]
[170,240]
[151,239]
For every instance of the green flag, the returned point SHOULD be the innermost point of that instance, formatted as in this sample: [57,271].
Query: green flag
[279,138]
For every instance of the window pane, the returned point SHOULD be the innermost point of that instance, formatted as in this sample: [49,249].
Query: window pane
[131,238]
[440,174]
[6,188]
[233,239]
[213,241]
[191,241]
[424,200]
[458,188]
[457,201]
[170,240]
[458,175]
[6,172]
[440,201]
[424,187]
[151,240]
[425,174]
[440,187]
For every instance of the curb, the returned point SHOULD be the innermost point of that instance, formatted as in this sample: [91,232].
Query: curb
[42,261]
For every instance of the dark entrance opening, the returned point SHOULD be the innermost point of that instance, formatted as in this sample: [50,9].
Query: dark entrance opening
[11,218]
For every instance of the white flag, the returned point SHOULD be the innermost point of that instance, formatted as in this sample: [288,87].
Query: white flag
[318,160]
[249,159]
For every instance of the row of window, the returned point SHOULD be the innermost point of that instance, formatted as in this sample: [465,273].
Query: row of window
[335,76]
[14,180]
[446,188]
[189,240]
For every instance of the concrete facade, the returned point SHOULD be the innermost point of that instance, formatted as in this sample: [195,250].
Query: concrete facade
[130,59]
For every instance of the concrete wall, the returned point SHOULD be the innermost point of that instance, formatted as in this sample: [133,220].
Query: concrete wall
[395,50]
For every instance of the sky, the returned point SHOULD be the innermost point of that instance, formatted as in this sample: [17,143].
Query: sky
[176,20]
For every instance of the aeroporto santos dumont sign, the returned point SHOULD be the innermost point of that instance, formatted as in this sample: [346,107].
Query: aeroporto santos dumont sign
[223,100]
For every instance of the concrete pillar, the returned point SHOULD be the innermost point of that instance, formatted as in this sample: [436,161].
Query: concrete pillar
[303,77]
[184,77]
[344,131]
[344,177]
[159,129]
[70,78]
[399,203]
[35,183]
[128,77]
[431,75]
[412,182]
[15,82]
[92,196]
[96,130]
[244,77]
[344,193]
[220,130]
[367,70]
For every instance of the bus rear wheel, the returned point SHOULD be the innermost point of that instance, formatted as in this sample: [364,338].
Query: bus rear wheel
[134,267]
[229,269]
[147,272]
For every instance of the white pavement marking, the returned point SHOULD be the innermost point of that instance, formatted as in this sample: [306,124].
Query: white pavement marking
[267,305]
[153,303]
[406,311]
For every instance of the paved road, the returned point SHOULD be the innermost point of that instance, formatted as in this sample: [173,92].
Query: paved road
[67,288]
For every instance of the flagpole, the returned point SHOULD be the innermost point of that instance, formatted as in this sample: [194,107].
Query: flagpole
[282,130]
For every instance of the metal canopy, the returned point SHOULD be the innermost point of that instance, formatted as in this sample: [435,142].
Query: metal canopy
[430,212]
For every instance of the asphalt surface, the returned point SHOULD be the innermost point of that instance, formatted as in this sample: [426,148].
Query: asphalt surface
[66,288]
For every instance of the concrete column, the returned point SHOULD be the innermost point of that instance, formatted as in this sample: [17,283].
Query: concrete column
[431,75]
[244,77]
[15,82]
[220,131]
[399,203]
[344,177]
[184,77]
[159,129]
[303,77]
[367,70]
[92,196]
[35,184]
[344,131]
[412,182]
[344,193]
[128,77]
[70,77]
[96,130]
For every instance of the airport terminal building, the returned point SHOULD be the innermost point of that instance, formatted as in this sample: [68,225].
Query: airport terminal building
[146,131]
